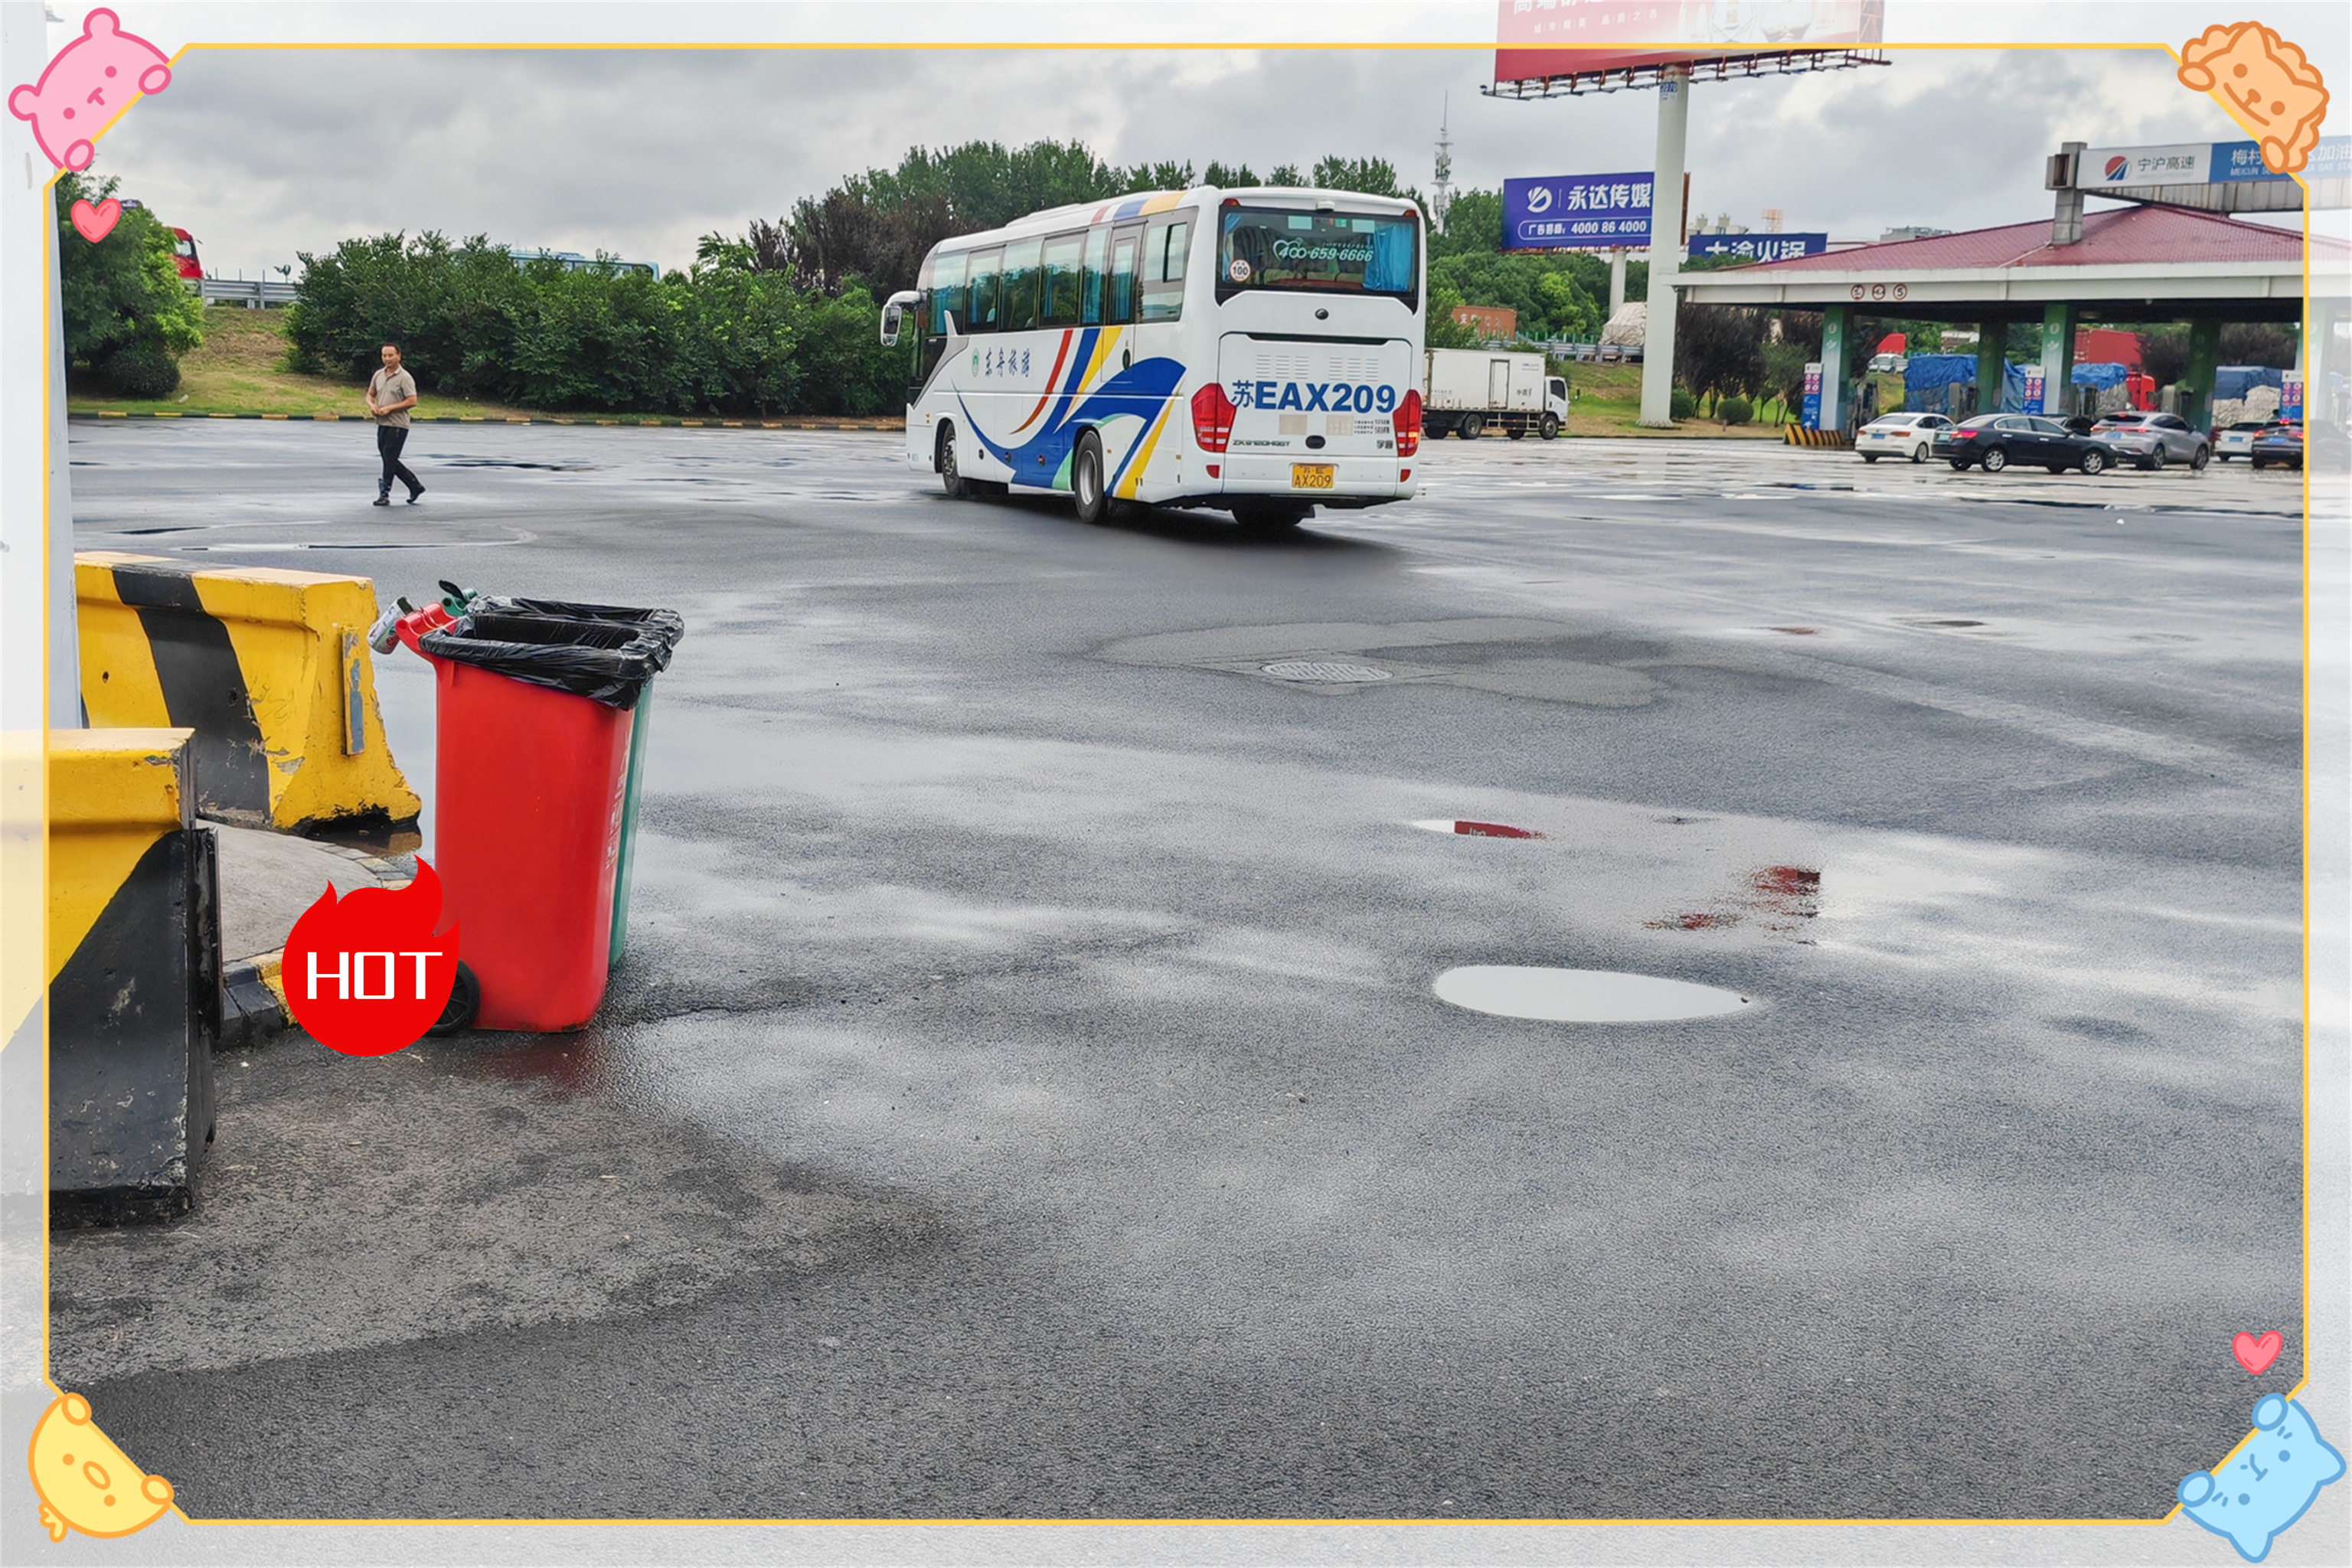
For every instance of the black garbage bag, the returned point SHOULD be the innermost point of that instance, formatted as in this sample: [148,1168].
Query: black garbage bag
[606,653]
[665,625]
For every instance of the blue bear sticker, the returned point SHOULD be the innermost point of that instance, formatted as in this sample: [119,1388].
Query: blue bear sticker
[2268,1484]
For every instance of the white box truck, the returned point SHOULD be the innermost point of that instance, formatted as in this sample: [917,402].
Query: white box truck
[1467,392]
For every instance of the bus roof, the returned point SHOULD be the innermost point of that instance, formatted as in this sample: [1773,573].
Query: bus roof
[1148,203]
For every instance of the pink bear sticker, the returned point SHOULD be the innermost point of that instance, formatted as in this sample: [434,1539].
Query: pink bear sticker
[87,86]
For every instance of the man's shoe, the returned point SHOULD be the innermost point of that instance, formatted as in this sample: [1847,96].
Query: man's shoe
[415,493]
[383,500]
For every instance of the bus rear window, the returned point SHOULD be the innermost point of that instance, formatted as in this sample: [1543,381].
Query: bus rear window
[1316,252]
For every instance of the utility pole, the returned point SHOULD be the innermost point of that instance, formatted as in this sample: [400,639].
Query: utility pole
[1441,196]
[1666,245]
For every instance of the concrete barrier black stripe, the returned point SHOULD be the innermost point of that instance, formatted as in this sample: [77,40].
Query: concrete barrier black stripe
[203,689]
[134,1013]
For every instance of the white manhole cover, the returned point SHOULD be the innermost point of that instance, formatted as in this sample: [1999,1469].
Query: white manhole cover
[1326,670]
[1580,995]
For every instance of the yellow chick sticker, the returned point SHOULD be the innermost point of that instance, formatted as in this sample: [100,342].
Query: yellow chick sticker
[85,1482]
[2265,84]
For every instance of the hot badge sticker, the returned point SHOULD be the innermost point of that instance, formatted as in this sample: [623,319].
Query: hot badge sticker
[1239,271]
[366,974]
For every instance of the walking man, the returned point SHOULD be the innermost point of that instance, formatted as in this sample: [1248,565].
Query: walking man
[390,396]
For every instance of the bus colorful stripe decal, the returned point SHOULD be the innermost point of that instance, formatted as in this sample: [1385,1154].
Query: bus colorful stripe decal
[1106,340]
[1138,456]
[1052,376]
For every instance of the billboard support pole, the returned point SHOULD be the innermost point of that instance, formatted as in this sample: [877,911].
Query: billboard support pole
[1666,243]
[1616,279]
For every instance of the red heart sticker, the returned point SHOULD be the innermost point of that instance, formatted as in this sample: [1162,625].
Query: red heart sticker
[95,223]
[2256,1354]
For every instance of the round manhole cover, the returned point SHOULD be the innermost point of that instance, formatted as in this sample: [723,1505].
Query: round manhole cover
[1330,671]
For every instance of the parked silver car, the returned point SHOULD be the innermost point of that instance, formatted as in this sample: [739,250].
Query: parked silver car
[2152,440]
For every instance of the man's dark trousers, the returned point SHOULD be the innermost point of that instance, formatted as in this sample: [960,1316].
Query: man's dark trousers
[389,440]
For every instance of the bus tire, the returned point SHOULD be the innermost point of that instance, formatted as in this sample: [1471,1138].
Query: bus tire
[952,477]
[1086,479]
[1548,426]
[1471,428]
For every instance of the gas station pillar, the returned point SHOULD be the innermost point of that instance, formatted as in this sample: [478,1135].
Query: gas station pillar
[1992,364]
[2058,359]
[1834,386]
[2204,348]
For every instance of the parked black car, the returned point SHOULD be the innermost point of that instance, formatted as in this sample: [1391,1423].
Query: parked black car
[2281,443]
[1997,440]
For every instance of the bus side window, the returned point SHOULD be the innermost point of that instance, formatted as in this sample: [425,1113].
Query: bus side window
[1164,244]
[985,265]
[1090,304]
[1018,310]
[1126,246]
[946,285]
[1058,303]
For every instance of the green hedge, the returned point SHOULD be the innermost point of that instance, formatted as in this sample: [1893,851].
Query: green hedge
[471,322]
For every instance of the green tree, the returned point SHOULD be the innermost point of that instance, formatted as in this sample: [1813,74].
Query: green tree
[1225,178]
[1472,222]
[1369,176]
[125,293]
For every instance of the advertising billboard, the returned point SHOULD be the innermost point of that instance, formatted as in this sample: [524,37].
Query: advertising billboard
[1757,247]
[1557,37]
[2202,164]
[1577,212]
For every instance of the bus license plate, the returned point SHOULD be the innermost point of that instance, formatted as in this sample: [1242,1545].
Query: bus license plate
[1310,476]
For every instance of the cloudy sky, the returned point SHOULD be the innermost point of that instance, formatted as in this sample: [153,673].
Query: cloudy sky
[262,153]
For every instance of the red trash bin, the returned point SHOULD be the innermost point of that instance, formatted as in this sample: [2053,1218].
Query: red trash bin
[529,787]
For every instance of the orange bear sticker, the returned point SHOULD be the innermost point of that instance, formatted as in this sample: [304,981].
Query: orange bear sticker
[2265,84]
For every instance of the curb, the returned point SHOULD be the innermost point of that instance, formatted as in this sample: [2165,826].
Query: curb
[253,1004]
[1796,436]
[253,990]
[816,422]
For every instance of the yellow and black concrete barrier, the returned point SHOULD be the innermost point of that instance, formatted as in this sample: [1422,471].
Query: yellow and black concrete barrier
[134,974]
[1798,436]
[271,669]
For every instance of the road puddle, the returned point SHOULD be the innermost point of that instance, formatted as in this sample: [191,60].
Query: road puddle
[1580,995]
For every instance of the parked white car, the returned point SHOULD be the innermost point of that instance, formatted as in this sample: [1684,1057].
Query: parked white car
[1911,436]
[2238,440]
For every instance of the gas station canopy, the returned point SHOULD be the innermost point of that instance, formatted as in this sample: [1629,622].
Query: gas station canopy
[2137,264]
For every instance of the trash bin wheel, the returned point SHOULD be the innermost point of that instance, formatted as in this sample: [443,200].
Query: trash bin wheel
[464,1002]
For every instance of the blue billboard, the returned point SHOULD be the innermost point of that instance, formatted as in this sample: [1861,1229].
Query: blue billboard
[1577,212]
[2331,160]
[1757,247]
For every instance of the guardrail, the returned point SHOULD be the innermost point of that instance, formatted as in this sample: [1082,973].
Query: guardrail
[254,296]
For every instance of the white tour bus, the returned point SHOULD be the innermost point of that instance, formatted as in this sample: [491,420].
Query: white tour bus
[1255,350]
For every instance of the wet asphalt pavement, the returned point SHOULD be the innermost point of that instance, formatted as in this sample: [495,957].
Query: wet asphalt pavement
[1024,1095]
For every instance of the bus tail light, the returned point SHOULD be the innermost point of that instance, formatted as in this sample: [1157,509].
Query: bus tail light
[1408,425]
[1212,417]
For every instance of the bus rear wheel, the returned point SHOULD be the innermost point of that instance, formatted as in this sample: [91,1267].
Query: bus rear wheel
[952,477]
[1086,479]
